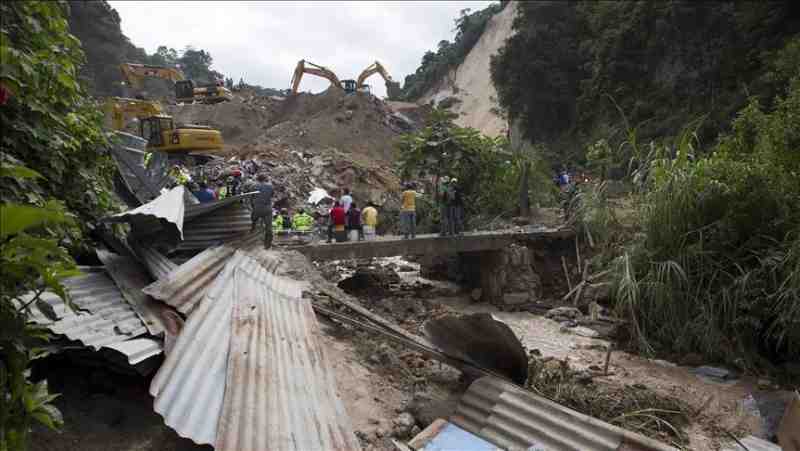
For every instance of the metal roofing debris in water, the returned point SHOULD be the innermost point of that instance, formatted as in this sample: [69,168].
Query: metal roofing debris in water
[162,215]
[514,418]
[248,371]
[103,318]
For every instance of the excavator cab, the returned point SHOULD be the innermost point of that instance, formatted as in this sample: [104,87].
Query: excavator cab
[184,91]
[152,128]
[349,86]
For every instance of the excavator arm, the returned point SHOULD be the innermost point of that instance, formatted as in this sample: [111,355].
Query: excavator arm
[314,69]
[135,74]
[392,87]
[119,111]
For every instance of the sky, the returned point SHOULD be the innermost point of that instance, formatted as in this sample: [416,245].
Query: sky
[262,41]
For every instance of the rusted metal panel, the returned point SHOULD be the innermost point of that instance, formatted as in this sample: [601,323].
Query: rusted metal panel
[130,277]
[163,216]
[211,229]
[248,371]
[186,285]
[103,318]
[514,418]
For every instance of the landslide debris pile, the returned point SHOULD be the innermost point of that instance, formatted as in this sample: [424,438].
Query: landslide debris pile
[329,140]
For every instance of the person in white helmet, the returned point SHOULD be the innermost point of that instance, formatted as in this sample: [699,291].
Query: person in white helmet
[441,197]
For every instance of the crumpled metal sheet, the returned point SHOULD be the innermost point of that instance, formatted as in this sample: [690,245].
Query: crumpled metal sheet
[209,230]
[144,183]
[248,371]
[199,209]
[515,418]
[103,318]
[185,286]
[156,263]
[137,350]
[162,216]
[130,278]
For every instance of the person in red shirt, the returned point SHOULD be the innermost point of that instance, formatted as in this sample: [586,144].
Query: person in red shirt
[337,220]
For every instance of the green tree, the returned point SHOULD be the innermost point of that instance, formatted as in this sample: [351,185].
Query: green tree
[51,158]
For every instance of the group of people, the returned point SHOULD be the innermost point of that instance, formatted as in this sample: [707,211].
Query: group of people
[345,218]
[227,185]
[451,208]
[284,222]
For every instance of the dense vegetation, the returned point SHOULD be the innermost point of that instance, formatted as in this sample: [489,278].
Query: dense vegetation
[55,181]
[571,66]
[489,173]
[435,66]
[97,25]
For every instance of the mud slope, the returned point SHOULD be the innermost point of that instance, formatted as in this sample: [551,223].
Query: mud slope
[471,81]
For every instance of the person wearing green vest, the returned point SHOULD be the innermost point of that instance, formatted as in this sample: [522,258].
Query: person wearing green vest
[302,221]
[277,223]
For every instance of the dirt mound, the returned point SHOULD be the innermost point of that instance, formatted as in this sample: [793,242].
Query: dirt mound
[240,121]
[358,124]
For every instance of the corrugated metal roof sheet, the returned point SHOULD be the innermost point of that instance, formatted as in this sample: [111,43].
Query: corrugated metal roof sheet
[185,286]
[193,211]
[144,183]
[212,229]
[103,318]
[130,278]
[162,215]
[248,372]
[156,263]
[753,444]
[137,349]
[514,418]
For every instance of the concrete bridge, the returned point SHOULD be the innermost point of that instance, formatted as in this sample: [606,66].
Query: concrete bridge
[389,246]
[487,252]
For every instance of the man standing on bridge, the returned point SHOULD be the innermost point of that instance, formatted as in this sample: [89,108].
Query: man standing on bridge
[262,209]
[408,212]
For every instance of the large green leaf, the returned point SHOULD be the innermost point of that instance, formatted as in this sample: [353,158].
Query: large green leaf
[15,218]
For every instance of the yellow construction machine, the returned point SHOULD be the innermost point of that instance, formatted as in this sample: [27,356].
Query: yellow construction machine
[185,90]
[349,86]
[160,130]
[392,87]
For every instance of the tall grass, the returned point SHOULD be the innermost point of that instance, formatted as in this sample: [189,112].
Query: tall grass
[716,267]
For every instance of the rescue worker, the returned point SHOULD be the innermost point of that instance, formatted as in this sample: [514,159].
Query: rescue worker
[222,190]
[287,219]
[205,194]
[262,208]
[302,221]
[277,222]
[180,175]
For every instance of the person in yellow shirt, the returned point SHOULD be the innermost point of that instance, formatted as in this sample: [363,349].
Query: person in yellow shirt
[408,212]
[369,216]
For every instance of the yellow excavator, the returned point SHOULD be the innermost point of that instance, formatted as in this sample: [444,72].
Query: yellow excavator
[186,91]
[392,87]
[160,130]
[349,86]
